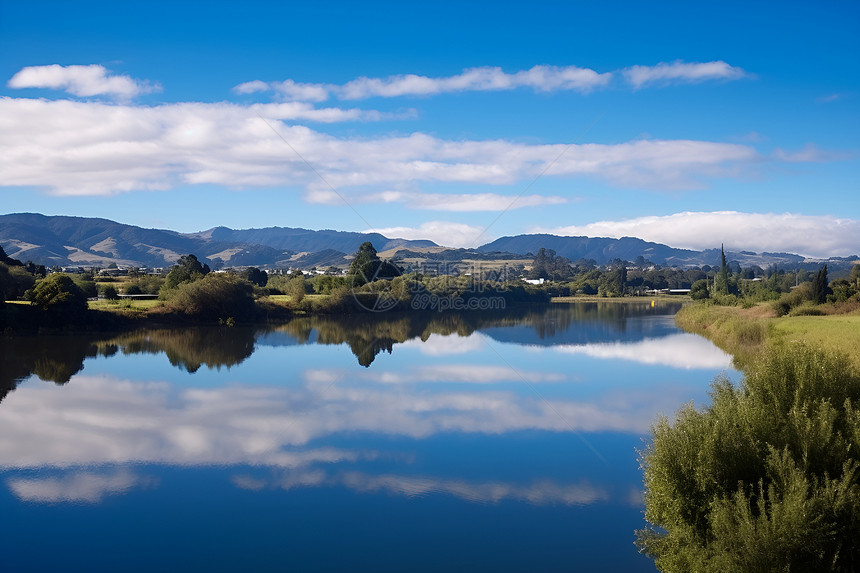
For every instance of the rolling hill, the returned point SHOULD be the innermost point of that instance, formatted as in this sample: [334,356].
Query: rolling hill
[83,241]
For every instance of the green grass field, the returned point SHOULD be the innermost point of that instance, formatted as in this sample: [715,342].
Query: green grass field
[836,331]
[285,298]
[743,332]
[103,304]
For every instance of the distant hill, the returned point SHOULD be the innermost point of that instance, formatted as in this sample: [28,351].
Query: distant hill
[305,240]
[84,241]
[599,249]
[603,249]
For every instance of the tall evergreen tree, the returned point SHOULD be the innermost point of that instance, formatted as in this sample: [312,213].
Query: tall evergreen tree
[724,271]
[820,290]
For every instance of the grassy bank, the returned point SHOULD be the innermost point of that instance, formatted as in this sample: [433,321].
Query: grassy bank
[743,332]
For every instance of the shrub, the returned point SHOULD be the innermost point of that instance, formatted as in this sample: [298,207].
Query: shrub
[58,295]
[766,478]
[88,287]
[699,290]
[133,289]
[214,297]
[109,292]
[14,281]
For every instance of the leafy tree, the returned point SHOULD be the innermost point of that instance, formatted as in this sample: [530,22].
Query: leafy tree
[547,265]
[366,266]
[699,290]
[186,269]
[109,292]
[765,478]
[255,276]
[854,277]
[296,288]
[58,295]
[133,289]
[14,281]
[87,285]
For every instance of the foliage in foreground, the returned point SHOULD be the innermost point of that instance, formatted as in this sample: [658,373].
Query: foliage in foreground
[766,478]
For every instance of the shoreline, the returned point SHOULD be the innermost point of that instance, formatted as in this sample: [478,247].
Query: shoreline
[746,332]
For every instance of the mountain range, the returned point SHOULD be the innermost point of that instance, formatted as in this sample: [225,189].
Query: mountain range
[82,241]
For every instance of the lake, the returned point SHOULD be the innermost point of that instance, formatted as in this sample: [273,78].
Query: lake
[485,441]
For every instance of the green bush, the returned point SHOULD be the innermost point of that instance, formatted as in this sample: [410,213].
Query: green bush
[14,281]
[766,478]
[699,290]
[88,287]
[60,297]
[133,289]
[109,292]
[214,297]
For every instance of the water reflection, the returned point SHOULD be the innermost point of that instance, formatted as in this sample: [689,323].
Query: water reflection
[58,358]
[475,409]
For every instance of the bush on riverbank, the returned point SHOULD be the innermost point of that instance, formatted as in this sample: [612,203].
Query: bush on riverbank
[211,298]
[765,478]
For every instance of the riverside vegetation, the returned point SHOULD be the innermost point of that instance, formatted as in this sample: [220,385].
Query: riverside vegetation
[767,476]
[764,478]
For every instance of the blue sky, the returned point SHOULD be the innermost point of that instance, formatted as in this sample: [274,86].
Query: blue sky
[687,124]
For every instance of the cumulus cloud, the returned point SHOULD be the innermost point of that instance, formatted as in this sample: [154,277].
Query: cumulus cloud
[93,148]
[82,81]
[681,72]
[809,235]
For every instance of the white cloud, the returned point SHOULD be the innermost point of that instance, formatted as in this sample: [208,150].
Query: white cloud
[291,90]
[439,345]
[460,202]
[251,87]
[682,350]
[539,78]
[681,72]
[82,81]
[538,493]
[92,148]
[810,235]
[76,487]
[443,374]
[94,421]
[810,153]
[445,233]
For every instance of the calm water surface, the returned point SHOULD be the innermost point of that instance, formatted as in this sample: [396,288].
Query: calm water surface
[422,442]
